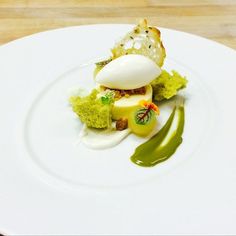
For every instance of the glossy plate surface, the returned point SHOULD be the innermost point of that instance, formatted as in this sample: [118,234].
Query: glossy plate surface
[50,184]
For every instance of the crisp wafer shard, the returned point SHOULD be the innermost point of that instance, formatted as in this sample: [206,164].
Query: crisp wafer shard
[144,40]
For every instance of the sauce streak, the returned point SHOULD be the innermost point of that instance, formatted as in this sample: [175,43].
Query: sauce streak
[164,143]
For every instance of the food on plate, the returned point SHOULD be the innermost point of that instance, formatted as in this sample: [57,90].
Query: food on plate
[102,138]
[142,40]
[128,72]
[122,101]
[143,120]
[129,77]
[167,85]
[164,143]
[92,111]
[124,105]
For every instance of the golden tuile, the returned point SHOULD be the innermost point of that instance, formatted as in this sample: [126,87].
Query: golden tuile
[143,40]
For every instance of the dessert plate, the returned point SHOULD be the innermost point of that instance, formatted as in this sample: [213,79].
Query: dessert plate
[51,184]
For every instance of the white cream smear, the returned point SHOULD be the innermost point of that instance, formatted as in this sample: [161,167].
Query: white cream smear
[101,139]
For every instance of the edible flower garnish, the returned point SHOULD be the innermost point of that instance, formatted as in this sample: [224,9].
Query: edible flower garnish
[150,106]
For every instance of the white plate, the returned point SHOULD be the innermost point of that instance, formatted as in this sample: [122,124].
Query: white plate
[49,185]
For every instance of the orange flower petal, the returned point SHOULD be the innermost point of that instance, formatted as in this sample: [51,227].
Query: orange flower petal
[150,105]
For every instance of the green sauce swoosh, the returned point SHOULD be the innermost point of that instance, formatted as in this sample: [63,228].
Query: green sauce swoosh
[164,143]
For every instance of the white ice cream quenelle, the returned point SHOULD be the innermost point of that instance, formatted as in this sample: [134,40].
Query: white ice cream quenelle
[128,72]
